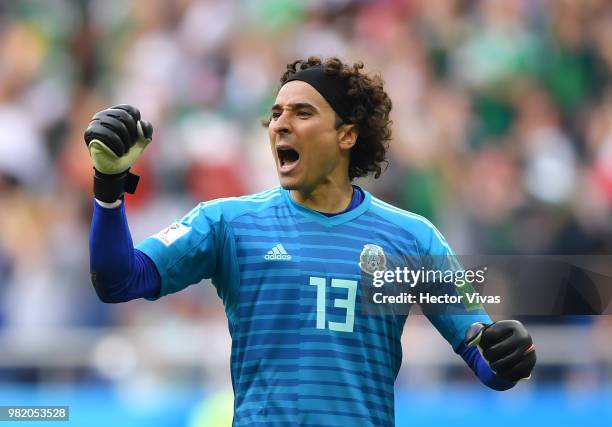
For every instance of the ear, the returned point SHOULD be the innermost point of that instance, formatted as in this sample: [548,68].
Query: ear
[347,136]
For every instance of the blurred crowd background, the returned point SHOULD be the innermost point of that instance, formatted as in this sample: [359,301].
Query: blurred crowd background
[502,125]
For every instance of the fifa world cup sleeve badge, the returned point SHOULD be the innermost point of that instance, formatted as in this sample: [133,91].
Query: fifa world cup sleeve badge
[372,259]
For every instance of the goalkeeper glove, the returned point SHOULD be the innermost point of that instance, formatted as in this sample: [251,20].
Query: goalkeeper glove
[506,346]
[115,138]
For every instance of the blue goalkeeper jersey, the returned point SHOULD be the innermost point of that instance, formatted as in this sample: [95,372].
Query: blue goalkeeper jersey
[289,277]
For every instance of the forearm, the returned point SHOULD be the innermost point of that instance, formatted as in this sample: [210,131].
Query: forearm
[483,371]
[119,272]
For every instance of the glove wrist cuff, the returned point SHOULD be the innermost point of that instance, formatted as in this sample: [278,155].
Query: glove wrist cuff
[109,188]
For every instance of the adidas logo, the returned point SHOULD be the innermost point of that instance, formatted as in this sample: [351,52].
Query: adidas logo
[277,253]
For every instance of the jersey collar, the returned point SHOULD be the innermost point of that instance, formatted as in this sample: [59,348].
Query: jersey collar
[325,220]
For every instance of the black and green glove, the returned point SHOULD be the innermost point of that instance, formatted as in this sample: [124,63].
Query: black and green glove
[506,346]
[115,138]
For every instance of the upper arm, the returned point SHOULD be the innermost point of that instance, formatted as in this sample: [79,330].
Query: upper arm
[451,320]
[188,250]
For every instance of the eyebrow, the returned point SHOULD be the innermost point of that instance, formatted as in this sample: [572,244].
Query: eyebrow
[295,106]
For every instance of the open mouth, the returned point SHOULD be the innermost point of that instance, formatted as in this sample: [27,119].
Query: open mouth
[287,158]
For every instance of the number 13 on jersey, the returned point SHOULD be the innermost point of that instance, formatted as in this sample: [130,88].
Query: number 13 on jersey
[347,303]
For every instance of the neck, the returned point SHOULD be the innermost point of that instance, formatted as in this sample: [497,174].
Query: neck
[330,197]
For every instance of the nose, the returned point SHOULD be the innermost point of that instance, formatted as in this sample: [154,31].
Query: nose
[280,124]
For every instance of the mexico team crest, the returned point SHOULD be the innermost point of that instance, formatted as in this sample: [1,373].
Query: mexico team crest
[372,259]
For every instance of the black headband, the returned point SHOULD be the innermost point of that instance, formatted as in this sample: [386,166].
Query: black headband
[333,88]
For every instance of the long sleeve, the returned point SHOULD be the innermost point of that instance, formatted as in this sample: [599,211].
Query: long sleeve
[485,374]
[118,271]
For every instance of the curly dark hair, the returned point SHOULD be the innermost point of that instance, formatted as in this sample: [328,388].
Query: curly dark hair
[369,112]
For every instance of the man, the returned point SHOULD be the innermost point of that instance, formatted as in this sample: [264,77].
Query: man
[287,262]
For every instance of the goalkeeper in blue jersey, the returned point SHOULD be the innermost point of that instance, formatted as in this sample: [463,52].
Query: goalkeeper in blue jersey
[288,262]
